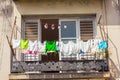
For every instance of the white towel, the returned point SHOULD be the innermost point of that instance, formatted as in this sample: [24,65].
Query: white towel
[15,43]
[86,46]
[64,48]
[41,47]
[69,48]
[32,46]
[94,45]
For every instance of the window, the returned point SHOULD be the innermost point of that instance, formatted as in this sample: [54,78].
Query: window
[35,30]
[68,32]
[31,30]
[68,29]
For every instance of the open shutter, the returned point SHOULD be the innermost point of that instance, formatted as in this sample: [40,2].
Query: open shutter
[86,29]
[31,30]
[31,33]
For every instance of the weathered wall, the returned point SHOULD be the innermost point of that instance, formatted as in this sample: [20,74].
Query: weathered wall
[60,7]
[27,7]
[4,49]
[6,19]
[113,25]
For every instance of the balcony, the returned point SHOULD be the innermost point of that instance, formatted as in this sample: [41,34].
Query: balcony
[60,69]
[79,66]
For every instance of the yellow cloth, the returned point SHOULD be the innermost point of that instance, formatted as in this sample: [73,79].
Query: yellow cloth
[24,44]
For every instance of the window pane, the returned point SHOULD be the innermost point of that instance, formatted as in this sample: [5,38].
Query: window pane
[68,29]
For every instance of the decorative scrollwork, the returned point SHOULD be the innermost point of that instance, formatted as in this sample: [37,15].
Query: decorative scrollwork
[92,65]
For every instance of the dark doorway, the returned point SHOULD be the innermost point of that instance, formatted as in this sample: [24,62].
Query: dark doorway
[50,32]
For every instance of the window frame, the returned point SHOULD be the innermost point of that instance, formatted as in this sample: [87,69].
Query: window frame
[24,21]
[77,28]
[39,27]
[74,38]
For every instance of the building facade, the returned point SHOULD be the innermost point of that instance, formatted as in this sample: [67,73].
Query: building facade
[78,26]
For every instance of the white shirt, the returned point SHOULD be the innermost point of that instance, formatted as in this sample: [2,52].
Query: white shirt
[15,43]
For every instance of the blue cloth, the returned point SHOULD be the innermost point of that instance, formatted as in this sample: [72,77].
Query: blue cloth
[81,52]
[57,48]
[102,45]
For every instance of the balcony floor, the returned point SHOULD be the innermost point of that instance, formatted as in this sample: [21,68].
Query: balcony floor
[82,75]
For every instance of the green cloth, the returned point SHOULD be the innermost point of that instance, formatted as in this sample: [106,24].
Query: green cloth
[24,44]
[51,46]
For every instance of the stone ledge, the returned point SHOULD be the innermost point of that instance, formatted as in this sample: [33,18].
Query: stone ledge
[83,75]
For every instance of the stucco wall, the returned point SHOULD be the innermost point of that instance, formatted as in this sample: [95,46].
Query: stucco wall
[113,25]
[6,23]
[27,7]
[4,49]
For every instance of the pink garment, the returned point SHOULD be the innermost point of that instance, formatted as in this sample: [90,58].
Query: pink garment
[35,52]
[29,52]
[24,51]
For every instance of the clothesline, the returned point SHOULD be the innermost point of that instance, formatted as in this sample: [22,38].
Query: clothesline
[35,47]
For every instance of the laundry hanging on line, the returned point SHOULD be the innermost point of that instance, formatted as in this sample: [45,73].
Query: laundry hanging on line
[15,43]
[102,45]
[35,47]
[24,44]
[51,46]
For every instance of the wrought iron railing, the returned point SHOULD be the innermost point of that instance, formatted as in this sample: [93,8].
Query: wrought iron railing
[61,66]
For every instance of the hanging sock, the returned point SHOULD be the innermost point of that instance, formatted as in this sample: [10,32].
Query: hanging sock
[51,46]
[24,44]
[15,43]
[102,45]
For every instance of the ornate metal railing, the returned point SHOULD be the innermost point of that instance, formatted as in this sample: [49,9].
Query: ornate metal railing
[60,66]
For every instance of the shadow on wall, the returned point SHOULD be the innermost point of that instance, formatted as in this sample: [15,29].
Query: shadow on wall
[115,72]
[6,7]
[6,11]
[116,4]
[112,11]
[116,51]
